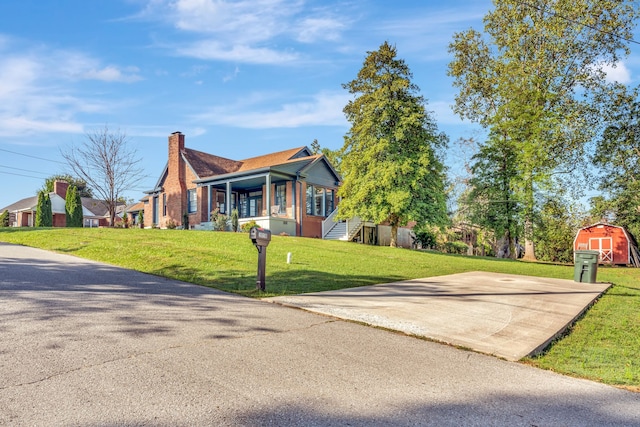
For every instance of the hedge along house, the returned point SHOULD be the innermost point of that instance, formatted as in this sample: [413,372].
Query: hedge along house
[614,243]
[290,191]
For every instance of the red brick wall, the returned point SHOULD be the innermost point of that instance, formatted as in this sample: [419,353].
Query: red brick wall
[60,188]
[59,220]
[174,185]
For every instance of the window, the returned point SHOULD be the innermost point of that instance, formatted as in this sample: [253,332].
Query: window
[192,200]
[318,199]
[281,197]
[244,203]
[328,204]
[156,211]
[164,204]
[220,202]
[309,199]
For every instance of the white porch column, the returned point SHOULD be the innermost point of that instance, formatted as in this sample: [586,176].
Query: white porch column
[293,199]
[228,200]
[210,201]
[268,195]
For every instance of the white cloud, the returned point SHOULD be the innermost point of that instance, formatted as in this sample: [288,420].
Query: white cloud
[245,31]
[311,30]
[111,73]
[231,76]
[617,73]
[214,50]
[37,89]
[323,109]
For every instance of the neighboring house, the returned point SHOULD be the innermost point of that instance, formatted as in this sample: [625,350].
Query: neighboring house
[133,211]
[289,192]
[614,243]
[23,212]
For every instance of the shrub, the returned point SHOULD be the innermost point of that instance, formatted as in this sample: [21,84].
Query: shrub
[248,226]
[455,248]
[171,224]
[235,218]
[185,221]
[213,216]
[221,223]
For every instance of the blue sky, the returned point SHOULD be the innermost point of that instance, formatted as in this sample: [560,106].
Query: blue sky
[238,78]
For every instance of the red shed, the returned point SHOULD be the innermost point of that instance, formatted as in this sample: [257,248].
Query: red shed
[614,243]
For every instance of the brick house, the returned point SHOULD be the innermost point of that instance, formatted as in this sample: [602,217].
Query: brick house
[23,212]
[291,191]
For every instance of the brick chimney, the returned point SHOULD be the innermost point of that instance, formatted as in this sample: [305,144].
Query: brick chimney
[60,188]
[175,186]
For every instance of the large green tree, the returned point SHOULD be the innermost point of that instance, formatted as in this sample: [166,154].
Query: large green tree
[531,76]
[44,215]
[73,207]
[81,185]
[391,168]
[618,156]
[490,201]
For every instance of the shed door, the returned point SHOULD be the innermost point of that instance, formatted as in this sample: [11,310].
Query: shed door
[604,245]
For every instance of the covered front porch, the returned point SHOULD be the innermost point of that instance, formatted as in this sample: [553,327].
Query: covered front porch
[267,197]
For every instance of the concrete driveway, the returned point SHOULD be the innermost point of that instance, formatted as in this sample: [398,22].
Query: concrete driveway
[88,344]
[500,314]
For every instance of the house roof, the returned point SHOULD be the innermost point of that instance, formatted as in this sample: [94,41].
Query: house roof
[273,159]
[208,165]
[204,164]
[136,207]
[28,203]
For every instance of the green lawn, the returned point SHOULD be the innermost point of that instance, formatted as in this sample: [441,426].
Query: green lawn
[604,345]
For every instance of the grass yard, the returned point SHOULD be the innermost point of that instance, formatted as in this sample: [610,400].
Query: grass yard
[604,345]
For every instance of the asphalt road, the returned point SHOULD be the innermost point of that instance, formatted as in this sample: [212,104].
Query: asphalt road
[87,344]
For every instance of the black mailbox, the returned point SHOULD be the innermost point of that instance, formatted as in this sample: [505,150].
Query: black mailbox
[260,238]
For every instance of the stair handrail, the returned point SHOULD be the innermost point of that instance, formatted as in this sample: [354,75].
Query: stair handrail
[326,223]
[352,226]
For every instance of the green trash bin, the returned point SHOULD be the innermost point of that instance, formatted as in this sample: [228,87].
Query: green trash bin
[586,266]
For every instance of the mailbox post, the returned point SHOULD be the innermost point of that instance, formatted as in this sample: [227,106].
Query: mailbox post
[260,238]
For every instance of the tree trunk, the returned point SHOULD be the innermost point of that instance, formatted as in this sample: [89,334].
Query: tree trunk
[394,235]
[529,247]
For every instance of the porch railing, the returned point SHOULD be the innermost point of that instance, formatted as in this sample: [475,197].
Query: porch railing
[329,222]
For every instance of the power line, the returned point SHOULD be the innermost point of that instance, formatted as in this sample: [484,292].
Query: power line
[33,157]
[19,174]
[573,21]
[24,170]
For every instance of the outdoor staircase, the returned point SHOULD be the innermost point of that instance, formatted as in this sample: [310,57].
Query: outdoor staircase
[337,232]
[340,230]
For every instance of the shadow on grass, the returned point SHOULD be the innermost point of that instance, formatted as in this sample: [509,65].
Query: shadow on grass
[277,283]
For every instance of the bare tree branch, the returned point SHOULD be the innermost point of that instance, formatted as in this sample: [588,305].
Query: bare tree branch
[107,163]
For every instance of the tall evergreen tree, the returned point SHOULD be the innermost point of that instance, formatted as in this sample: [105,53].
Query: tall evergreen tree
[532,76]
[73,207]
[4,219]
[44,216]
[392,171]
